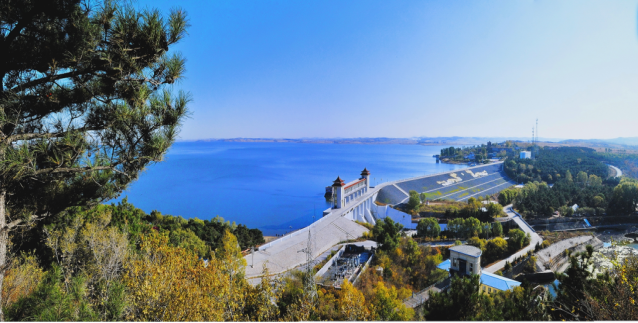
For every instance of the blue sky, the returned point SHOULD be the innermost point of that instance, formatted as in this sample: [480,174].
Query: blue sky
[294,69]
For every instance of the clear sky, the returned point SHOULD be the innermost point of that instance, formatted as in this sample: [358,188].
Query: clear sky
[294,69]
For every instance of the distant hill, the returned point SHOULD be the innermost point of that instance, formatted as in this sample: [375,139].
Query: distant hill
[617,143]
[361,141]
[630,142]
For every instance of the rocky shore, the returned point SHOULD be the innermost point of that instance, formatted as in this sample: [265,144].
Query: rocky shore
[603,258]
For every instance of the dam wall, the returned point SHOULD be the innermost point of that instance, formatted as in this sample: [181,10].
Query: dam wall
[457,185]
[355,201]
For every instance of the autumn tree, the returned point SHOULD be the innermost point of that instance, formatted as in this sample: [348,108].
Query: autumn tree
[168,283]
[351,304]
[614,298]
[387,304]
[21,279]
[261,301]
[84,103]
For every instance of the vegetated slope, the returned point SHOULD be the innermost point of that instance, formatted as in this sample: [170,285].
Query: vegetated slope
[628,163]
[552,164]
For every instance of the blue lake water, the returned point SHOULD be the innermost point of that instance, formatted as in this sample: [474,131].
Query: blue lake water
[269,186]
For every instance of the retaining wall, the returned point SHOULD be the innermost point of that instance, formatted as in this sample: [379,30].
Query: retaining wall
[325,267]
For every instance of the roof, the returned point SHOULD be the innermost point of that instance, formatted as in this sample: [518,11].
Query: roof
[445,265]
[354,182]
[498,282]
[365,171]
[467,250]
[338,182]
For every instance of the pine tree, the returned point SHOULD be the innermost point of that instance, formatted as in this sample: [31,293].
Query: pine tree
[84,103]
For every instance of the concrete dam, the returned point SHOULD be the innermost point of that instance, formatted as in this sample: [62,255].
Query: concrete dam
[457,185]
[355,201]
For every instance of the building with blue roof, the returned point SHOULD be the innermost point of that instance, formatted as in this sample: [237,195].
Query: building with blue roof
[465,260]
[492,283]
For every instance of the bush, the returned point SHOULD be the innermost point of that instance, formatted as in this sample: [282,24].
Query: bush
[494,250]
[586,211]
[415,201]
[477,242]
[428,227]
[516,240]
[507,196]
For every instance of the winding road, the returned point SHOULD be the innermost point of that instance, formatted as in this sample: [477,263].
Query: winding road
[527,229]
[618,171]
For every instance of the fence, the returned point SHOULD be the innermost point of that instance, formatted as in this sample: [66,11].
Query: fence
[523,220]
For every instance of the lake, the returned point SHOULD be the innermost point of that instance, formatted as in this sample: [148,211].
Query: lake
[275,187]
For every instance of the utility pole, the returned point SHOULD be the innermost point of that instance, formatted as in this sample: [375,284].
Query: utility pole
[310,288]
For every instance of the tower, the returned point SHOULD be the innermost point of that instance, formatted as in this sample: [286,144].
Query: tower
[337,193]
[366,174]
[309,285]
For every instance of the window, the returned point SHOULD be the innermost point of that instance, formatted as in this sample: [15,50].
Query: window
[471,267]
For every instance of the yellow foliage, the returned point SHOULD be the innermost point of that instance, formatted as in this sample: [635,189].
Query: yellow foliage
[168,283]
[20,279]
[261,302]
[388,304]
[351,304]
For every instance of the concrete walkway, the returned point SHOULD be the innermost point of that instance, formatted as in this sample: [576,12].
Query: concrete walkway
[417,300]
[527,229]
[290,253]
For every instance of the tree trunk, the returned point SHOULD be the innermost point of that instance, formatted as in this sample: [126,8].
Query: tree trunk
[4,237]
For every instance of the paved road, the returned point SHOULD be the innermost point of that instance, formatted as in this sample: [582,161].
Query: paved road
[527,229]
[618,171]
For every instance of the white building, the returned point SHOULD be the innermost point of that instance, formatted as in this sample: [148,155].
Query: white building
[343,193]
[466,260]
[525,155]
